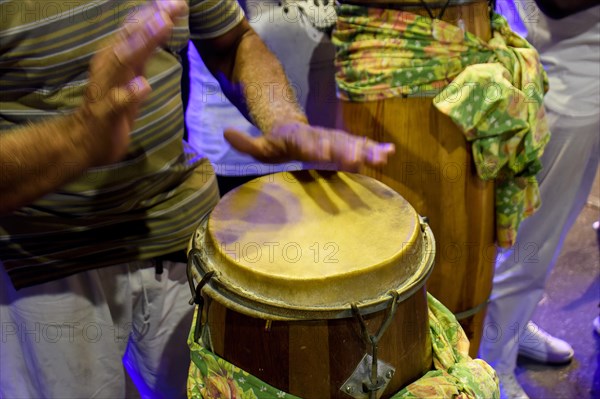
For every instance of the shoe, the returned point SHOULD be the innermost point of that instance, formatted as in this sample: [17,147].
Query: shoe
[510,387]
[596,324]
[537,344]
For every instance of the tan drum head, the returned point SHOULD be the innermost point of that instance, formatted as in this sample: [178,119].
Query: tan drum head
[313,241]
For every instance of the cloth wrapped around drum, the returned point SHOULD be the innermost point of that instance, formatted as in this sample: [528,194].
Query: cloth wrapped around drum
[493,91]
[311,284]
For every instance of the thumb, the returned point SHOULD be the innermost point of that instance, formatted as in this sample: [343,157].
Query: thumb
[243,142]
[133,93]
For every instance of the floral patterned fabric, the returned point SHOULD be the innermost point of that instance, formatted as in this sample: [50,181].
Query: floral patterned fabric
[211,377]
[456,375]
[492,90]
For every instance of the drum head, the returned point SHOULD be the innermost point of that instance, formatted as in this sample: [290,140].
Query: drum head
[311,240]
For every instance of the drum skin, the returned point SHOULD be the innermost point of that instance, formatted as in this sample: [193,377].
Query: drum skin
[292,329]
[434,171]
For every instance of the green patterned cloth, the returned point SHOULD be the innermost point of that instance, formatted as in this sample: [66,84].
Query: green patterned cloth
[455,374]
[211,377]
[492,90]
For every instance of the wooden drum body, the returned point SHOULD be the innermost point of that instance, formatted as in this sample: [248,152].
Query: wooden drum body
[434,171]
[292,253]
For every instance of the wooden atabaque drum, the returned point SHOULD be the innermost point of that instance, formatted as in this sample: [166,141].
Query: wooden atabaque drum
[292,253]
[434,171]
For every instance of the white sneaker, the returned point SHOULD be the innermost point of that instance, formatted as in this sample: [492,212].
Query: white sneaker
[596,324]
[510,387]
[537,344]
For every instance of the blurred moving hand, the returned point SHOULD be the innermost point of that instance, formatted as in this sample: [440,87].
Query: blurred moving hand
[116,86]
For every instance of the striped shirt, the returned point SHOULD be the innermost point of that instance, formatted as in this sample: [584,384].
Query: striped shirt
[146,205]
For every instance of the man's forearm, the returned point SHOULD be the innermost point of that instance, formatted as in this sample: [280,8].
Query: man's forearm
[38,158]
[251,77]
[268,94]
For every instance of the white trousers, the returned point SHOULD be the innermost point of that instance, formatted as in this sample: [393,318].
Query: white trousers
[569,162]
[84,336]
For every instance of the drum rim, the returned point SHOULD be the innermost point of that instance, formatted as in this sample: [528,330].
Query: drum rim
[253,306]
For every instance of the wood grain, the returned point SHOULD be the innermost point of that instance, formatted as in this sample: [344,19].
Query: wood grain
[434,171]
[313,358]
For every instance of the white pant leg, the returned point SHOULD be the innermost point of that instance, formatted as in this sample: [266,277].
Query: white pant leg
[58,339]
[157,356]
[67,338]
[570,162]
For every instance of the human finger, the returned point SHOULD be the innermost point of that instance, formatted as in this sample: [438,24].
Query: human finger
[242,142]
[132,94]
[143,32]
[375,153]
[120,98]
[350,152]
[129,50]
[264,149]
